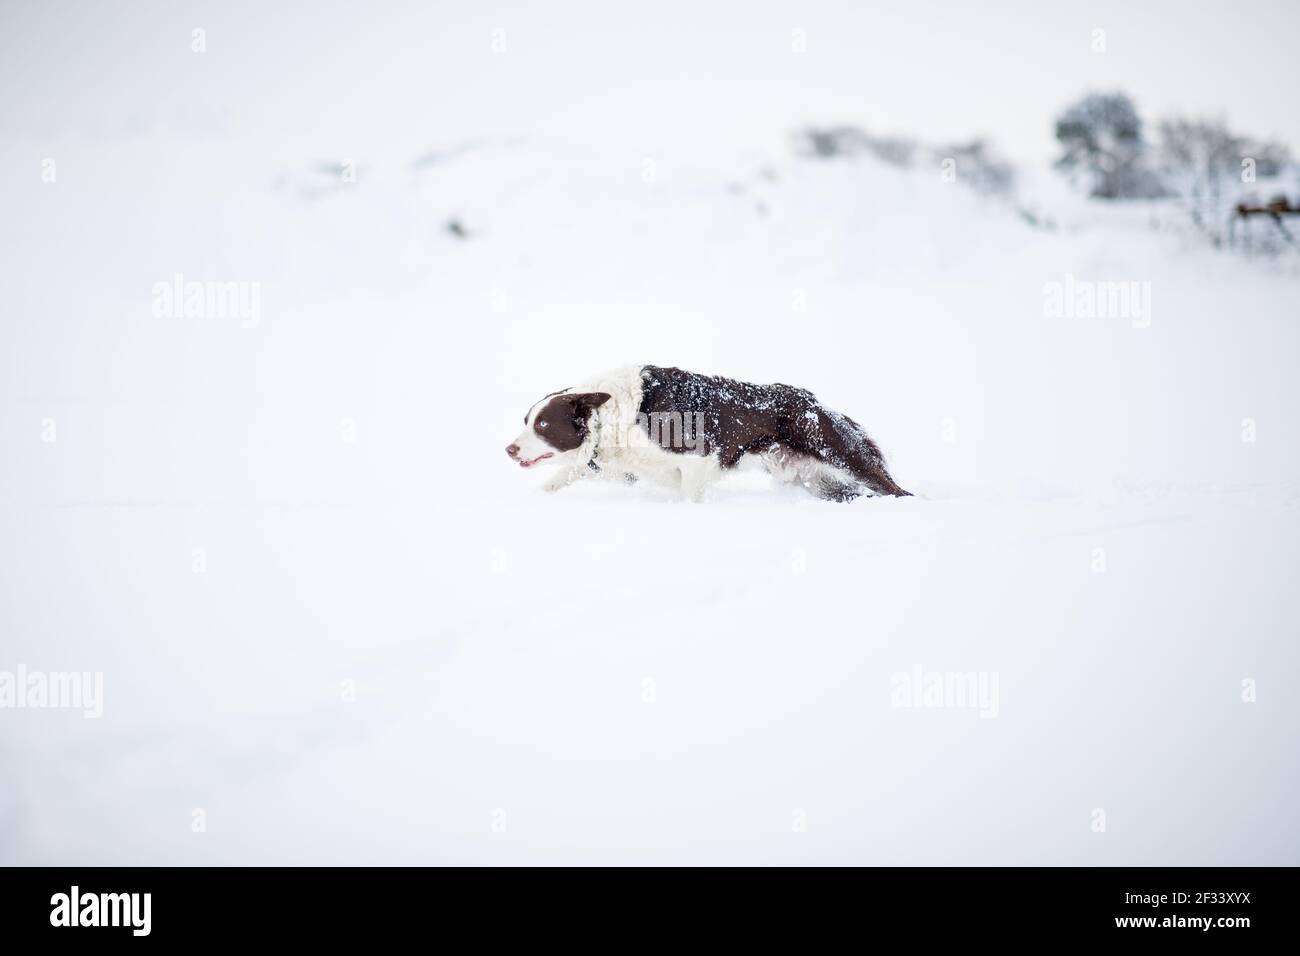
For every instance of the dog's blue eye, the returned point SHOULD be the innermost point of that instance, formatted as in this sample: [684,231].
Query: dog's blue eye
[541,424]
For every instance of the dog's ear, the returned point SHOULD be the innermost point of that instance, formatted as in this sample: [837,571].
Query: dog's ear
[584,403]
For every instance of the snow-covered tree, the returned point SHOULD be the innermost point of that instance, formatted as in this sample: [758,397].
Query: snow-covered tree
[1101,136]
[978,166]
[1212,169]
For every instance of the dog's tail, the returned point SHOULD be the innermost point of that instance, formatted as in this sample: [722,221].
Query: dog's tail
[866,462]
[878,480]
[841,442]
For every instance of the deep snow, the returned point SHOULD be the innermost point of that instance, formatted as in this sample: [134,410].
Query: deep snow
[604,674]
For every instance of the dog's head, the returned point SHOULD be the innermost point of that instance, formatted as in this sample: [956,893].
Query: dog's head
[555,426]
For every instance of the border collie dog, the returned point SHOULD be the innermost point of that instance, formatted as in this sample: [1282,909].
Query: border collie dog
[684,430]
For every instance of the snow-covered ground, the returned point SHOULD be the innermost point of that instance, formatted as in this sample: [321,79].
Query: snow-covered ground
[336,624]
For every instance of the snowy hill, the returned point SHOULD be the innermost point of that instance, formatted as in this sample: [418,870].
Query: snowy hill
[332,616]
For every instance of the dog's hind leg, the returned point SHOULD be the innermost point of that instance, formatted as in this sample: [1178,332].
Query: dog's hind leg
[834,486]
[820,480]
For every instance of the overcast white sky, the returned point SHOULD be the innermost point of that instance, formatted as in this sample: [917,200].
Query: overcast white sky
[360,79]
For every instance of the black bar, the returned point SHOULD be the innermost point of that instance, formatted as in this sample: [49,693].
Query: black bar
[339,906]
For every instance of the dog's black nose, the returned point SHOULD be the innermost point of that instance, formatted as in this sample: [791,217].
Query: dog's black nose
[512,451]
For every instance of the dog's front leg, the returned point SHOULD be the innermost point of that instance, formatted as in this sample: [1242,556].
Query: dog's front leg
[561,479]
[696,476]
